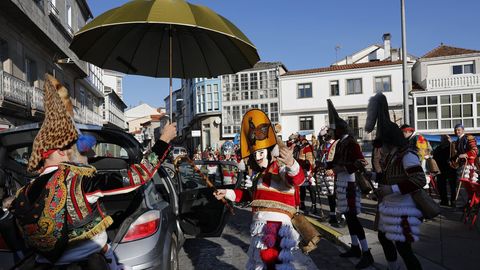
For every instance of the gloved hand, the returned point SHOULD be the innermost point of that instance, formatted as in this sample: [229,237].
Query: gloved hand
[248,182]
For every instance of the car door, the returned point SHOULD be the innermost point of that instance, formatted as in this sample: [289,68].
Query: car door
[201,214]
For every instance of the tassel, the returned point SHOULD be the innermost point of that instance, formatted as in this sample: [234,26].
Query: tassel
[100,227]
[284,231]
[285,255]
[287,243]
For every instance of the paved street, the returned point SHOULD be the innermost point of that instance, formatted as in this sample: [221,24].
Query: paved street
[229,251]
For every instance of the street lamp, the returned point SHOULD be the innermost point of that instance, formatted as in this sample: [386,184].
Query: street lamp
[406,113]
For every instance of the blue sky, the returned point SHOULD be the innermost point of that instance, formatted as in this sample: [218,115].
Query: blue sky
[303,33]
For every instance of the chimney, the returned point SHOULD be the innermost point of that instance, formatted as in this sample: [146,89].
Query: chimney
[348,60]
[386,45]
[395,55]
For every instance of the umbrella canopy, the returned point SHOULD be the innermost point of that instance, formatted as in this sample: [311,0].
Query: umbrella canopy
[143,36]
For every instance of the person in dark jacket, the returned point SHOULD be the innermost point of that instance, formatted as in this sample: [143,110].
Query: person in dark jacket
[442,154]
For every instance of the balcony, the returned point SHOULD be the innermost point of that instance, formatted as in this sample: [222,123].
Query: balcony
[454,82]
[87,116]
[53,11]
[19,92]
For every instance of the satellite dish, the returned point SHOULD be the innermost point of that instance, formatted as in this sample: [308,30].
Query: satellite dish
[217,120]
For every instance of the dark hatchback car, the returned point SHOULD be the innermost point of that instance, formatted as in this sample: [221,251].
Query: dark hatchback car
[150,223]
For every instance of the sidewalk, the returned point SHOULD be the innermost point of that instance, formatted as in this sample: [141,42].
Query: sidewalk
[445,242]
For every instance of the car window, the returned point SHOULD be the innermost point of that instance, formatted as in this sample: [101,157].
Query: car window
[189,178]
[110,150]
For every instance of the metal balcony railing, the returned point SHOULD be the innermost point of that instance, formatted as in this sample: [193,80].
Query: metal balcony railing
[14,89]
[454,81]
[37,99]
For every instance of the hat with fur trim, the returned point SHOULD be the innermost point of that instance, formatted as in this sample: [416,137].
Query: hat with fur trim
[58,129]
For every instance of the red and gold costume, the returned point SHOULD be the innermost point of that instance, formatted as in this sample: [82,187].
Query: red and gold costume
[273,199]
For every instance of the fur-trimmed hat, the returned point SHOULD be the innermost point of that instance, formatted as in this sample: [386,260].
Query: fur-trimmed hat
[58,129]
[377,114]
[334,120]
[256,133]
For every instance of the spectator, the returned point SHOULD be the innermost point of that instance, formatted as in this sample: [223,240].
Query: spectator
[441,154]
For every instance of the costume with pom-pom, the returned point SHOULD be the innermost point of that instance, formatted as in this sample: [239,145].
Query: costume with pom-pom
[273,203]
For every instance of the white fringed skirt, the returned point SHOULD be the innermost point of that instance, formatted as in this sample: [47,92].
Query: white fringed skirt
[400,218]
[288,235]
[342,183]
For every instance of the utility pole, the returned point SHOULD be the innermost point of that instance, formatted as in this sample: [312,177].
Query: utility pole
[406,113]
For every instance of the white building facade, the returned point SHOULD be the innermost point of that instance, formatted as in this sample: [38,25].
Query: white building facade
[257,87]
[304,94]
[449,91]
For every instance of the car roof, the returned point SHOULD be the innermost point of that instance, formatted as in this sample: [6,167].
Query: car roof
[25,135]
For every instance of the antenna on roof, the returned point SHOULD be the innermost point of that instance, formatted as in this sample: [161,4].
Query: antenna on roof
[337,48]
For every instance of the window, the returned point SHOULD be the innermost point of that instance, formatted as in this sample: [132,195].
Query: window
[273,79]
[264,107]
[69,14]
[354,86]
[263,80]
[244,109]
[353,125]
[236,114]
[306,122]
[254,94]
[3,53]
[334,89]
[244,81]
[253,81]
[274,112]
[383,84]
[227,129]
[30,71]
[304,90]
[427,114]
[263,94]
[273,93]
[455,109]
[463,69]
[216,101]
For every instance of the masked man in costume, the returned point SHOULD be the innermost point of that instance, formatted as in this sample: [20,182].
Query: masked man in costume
[346,158]
[399,218]
[326,180]
[465,153]
[58,213]
[273,197]
[228,171]
[305,157]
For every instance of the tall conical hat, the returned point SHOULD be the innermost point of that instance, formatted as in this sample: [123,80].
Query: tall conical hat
[334,120]
[256,133]
[378,114]
[58,129]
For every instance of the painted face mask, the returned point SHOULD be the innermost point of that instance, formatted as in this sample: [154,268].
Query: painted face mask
[261,158]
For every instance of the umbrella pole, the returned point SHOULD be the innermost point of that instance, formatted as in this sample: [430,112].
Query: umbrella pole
[170,70]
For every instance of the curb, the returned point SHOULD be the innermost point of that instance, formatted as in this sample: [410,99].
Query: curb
[328,232]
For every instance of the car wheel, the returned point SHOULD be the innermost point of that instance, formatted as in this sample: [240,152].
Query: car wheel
[173,260]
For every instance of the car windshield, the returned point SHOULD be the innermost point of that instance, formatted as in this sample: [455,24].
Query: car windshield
[219,173]
[110,150]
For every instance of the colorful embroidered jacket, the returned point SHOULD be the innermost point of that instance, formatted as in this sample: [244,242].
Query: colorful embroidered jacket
[466,144]
[65,198]
[276,188]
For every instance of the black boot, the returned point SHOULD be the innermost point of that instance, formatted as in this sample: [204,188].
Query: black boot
[354,251]
[365,261]
[333,220]
[313,209]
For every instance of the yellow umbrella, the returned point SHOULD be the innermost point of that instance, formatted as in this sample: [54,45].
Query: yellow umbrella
[165,38]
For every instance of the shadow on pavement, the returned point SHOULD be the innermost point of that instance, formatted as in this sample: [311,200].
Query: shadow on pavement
[204,254]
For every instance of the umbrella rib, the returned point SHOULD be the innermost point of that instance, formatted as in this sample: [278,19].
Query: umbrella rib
[203,55]
[116,45]
[158,57]
[243,55]
[139,43]
[226,58]
[181,54]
